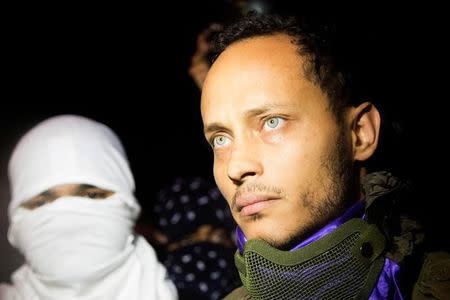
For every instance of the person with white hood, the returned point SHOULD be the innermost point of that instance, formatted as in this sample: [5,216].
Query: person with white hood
[72,214]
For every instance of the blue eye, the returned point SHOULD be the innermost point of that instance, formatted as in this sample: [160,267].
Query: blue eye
[220,141]
[273,122]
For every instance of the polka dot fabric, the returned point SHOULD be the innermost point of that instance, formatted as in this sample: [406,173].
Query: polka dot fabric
[200,270]
[189,203]
[203,271]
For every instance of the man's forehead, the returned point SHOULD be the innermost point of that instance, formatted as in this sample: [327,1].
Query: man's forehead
[257,55]
[254,62]
[254,74]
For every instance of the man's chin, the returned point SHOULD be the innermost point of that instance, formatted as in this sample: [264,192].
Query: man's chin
[273,240]
[264,229]
[274,234]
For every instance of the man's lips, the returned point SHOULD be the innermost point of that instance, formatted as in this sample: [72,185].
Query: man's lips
[249,203]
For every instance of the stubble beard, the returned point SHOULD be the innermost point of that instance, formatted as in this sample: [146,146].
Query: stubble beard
[339,188]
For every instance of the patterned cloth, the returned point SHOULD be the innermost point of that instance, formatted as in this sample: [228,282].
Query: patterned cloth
[189,203]
[203,271]
[200,270]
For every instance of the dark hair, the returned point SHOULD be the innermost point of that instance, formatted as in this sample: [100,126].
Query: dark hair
[316,43]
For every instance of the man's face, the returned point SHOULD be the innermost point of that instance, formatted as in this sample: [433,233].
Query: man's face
[280,159]
[64,190]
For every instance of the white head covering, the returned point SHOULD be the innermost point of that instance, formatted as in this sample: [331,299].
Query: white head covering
[78,248]
[68,149]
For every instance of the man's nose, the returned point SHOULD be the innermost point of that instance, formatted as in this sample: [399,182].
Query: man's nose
[244,162]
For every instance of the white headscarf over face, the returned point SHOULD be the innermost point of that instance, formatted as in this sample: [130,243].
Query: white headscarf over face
[76,247]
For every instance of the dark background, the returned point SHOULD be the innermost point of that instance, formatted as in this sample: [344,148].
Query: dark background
[125,68]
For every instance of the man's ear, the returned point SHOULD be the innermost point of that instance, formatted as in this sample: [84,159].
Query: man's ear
[365,126]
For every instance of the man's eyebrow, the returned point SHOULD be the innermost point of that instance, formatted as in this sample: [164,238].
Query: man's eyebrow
[214,127]
[254,112]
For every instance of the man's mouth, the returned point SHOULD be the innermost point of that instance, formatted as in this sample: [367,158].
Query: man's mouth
[251,203]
